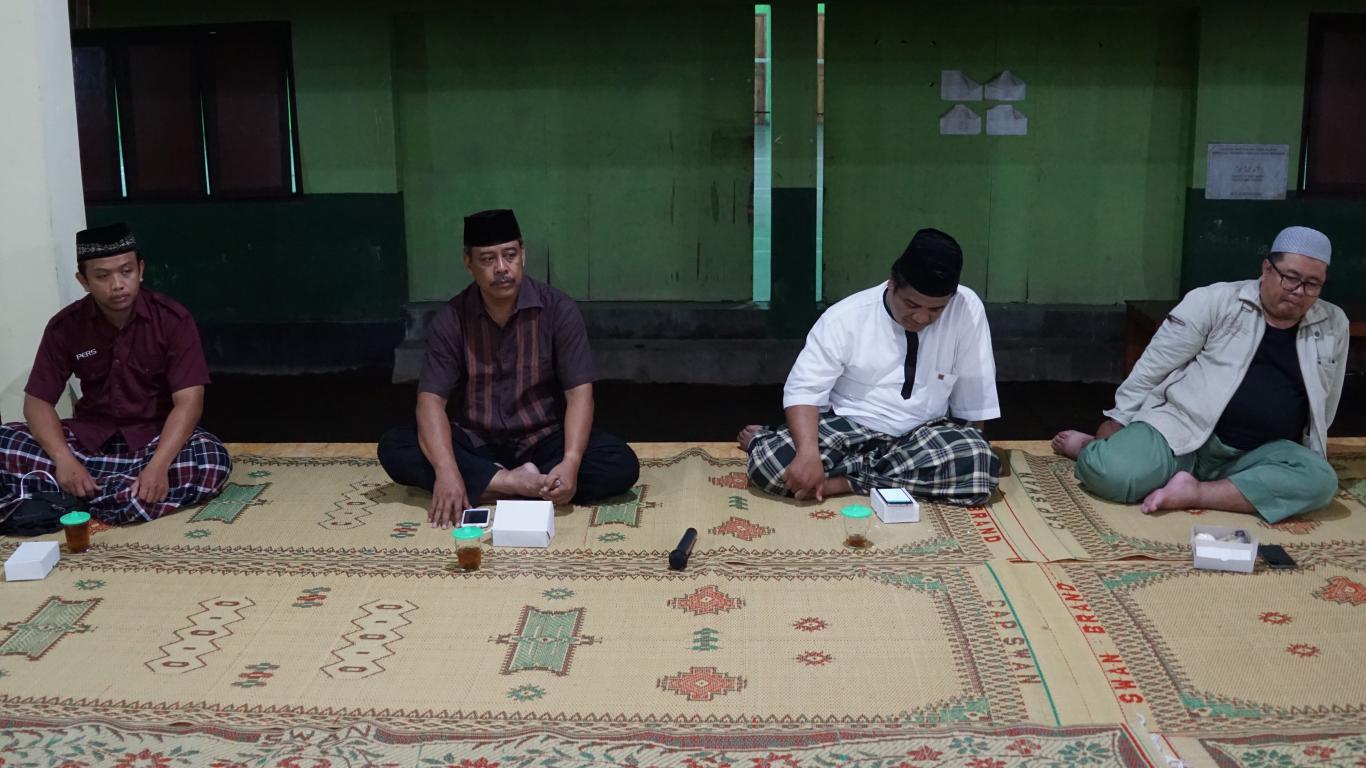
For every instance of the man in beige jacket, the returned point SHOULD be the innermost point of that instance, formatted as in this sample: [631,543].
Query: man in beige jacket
[1229,406]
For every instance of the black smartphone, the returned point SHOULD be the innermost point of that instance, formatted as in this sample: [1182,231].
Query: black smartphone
[1274,556]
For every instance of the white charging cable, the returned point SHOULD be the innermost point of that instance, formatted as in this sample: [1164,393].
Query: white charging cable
[23,494]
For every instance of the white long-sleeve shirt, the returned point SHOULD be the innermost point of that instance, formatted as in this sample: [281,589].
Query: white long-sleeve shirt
[855,356]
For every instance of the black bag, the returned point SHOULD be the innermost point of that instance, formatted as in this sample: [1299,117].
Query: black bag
[38,514]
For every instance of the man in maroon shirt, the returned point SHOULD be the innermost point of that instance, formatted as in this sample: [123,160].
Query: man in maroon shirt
[133,450]
[510,354]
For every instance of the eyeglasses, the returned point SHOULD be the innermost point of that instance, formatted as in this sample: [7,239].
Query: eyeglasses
[1292,284]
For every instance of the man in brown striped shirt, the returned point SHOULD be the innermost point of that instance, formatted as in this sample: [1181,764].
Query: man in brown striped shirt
[510,356]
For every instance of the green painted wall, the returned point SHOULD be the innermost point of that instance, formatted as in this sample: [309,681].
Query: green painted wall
[336,253]
[620,133]
[795,212]
[1247,96]
[1252,70]
[1227,240]
[342,65]
[1251,90]
[1086,208]
[316,258]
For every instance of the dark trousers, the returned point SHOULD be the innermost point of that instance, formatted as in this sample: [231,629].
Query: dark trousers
[609,466]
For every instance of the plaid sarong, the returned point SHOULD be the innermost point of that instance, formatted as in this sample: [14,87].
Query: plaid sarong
[197,473]
[942,460]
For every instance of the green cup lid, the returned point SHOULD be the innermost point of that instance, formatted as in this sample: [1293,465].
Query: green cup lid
[856,511]
[467,533]
[74,518]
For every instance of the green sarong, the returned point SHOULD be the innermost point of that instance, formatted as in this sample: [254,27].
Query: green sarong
[1279,479]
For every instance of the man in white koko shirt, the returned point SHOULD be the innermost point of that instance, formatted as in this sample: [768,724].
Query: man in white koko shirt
[890,391]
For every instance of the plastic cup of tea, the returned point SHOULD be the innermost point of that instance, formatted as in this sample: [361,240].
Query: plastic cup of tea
[858,521]
[77,528]
[469,550]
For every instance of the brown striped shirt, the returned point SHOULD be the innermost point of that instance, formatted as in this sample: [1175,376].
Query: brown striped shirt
[506,385]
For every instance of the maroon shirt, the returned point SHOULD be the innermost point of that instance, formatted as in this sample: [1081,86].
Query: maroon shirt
[127,375]
[510,381]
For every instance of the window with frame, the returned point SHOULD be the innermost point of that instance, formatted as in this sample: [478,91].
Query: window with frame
[1332,153]
[186,113]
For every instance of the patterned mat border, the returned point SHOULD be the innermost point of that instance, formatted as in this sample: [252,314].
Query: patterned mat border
[21,712]
[1274,750]
[439,563]
[1062,499]
[370,743]
[1158,680]
[247,724]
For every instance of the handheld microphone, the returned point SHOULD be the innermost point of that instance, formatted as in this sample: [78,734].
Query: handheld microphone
[678,559]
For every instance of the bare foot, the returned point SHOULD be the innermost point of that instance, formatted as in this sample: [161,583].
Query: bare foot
[524,482]
[746,436]
[1180,492]
[1070,442]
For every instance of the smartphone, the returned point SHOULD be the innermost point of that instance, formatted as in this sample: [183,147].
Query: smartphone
[1274,556]
[895,496]
[478,517]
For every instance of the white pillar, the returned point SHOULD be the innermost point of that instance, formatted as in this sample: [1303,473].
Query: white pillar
[41,201]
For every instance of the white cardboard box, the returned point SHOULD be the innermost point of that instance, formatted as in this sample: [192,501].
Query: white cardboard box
[894,505]
[1224,555]
[32,560]
[523,524]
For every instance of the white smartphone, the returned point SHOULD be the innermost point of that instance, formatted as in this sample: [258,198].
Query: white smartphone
[478,517]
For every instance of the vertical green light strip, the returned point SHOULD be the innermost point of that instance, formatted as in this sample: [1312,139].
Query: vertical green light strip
[204,142]
[762,245]
[768,57]
[1304,169]
[820,194]
[289,139]
[118,132]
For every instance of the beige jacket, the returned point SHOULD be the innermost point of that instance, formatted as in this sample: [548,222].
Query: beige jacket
[1199,355]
